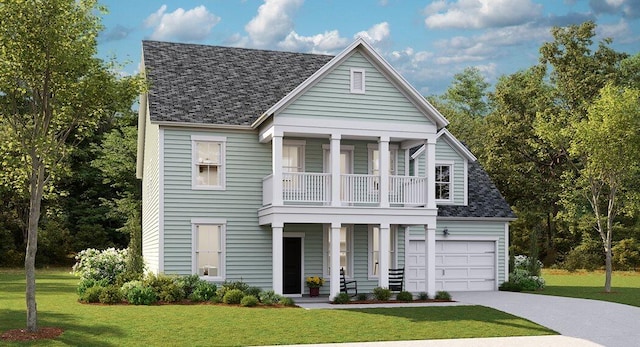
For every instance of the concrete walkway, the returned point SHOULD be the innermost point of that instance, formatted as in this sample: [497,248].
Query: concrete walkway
[605,323]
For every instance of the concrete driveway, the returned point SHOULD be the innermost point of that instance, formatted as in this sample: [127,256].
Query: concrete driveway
[606,323]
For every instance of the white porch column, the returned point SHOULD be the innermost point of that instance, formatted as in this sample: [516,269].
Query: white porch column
[334,153]
[276,164]
[334,288]
[383,256]
[430,171]
[277,250]
[430,259]
[383,151]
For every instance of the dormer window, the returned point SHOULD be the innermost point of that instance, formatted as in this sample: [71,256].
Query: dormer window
[357,81]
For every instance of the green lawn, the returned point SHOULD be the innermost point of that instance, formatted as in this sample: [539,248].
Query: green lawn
[590,285]
[194,325]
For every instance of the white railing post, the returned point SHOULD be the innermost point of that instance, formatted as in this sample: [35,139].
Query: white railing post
[334,153]
[383,150]
[276,164]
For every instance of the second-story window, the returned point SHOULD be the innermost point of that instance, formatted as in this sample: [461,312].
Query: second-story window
[292,162]
[208,162]
[443,182]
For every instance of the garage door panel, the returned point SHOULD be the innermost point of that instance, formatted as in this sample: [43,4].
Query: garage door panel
[481,246]
[455,260]
[483,273]
[482,259]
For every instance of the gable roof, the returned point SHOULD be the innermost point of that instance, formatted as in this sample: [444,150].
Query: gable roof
[381,64]
[484,201]
[190,83]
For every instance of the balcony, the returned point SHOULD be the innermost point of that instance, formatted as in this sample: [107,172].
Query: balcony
[306,188]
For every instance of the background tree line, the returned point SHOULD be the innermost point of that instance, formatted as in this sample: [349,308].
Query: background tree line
[561,141]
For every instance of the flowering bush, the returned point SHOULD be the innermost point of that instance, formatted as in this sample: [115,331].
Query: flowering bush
[315,282]
[100,265]
[524,275]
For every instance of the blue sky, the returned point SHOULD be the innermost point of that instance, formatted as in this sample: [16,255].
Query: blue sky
[426,41]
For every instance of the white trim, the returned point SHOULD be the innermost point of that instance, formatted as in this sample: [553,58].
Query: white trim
[412,94]
[195,222]
[478,219]
[352,80]
[142,134]
[348,128]
[456,144]
[465,183]
[352,215]
[160,200]
[452,165]
[203,125]
[506,251]
[222,165]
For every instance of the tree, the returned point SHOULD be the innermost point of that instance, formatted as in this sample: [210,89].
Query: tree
[607,144]
[53,93]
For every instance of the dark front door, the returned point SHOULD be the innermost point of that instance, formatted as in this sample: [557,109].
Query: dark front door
[292,263]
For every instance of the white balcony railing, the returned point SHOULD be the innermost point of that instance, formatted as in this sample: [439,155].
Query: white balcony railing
[306,187]
[315,188]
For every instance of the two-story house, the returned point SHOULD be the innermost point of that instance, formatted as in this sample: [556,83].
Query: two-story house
[270,166]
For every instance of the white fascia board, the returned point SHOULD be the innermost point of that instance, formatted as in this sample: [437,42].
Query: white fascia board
[420,101]
[417,153]
[202,126]
[477,219]
[456,145]
[143,113]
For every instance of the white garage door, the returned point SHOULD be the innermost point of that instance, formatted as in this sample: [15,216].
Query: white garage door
[465,265]
[460,265]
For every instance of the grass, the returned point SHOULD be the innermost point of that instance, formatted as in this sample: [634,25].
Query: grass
[199,325]
[590,285]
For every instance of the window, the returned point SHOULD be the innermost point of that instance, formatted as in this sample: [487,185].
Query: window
[443,182]
[357,81]
[346,251]
[374,250]
[208,162]
[208,249]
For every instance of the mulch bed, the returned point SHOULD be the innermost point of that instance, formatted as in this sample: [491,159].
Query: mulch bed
[24,335]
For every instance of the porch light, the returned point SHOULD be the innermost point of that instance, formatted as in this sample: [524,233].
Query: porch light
[445,231]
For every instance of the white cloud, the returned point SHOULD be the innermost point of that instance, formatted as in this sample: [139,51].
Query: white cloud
[273,23]
[474,14]
[376,34]
[192,25]
[328,42]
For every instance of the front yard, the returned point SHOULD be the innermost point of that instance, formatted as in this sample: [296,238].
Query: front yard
[228,325]
[590,285]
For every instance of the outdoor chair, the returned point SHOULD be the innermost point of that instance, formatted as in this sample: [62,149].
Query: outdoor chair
[348,285]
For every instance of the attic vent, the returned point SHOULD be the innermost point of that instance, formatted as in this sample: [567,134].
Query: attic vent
[357,81]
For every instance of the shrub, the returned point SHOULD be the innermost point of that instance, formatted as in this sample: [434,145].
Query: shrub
[588,255]
[126,288]
[381,294]
[255,291]
[94,264]
[522,275]
[203,291]
[110,295]
[269,297]
[188,283]
[249,301]
[139,294]
[423,296]
[626,254]
[510,286]
[404,296]
[288,302]
[233,297]
[341,298]
[92,294]
[443,295]
[229,285]
[88,283]
[362,296]
[166,287]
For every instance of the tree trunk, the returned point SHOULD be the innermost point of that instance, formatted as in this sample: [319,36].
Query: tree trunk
[607,279]
[36,187]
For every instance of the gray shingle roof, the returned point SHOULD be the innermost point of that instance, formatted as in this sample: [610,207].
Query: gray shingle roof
[220,85]
[484,198]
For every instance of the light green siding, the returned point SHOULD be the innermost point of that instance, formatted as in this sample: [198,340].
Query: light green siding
[446,154]
[150,197]
[331,98]
[248,246]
